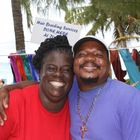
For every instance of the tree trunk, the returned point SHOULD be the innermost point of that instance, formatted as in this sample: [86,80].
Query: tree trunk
[18,27]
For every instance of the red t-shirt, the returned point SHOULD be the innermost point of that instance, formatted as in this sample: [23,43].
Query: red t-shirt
[29,120]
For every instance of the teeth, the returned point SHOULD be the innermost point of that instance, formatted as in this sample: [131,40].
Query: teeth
[89,68]
[57,84]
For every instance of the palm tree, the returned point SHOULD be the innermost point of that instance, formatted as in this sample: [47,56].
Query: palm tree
[17,19]
[18,27]
[17,6]
[103,14]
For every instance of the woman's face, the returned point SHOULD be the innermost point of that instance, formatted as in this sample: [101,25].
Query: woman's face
[56,76]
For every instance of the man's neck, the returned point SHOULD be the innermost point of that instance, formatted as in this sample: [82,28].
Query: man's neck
[83,86]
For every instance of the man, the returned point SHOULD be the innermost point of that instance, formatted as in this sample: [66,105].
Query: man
[101,108]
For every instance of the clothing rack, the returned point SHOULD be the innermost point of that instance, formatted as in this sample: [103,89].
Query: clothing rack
[15,54]
[124,48]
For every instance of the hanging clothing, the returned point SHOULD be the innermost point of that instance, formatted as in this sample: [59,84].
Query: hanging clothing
[34,72]
[26,67]
[116,64]
[23,68]
[136,57]
[15,69]
[132,68]
[20,67]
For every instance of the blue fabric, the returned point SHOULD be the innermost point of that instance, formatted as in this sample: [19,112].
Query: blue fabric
[115,116]
[132,68]
[34,72]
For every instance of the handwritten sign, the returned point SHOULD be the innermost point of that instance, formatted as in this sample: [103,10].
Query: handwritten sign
[46,29]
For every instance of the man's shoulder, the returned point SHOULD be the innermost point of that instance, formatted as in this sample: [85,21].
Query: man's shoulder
[121,84]
[121,87]
[18,95]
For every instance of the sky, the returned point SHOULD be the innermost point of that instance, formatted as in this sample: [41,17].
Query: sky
[7,38]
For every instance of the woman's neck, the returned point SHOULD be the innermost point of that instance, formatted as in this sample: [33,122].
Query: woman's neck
[50,105]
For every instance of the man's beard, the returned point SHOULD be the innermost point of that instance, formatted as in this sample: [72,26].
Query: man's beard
[89,80]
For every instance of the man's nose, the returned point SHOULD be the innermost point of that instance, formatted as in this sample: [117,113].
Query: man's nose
[91,56]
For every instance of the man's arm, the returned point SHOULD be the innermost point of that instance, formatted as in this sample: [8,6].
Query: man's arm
[131,117]
[4,97]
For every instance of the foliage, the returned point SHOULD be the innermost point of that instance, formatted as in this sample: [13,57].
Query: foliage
[123,15]
[103,14]
[26,5]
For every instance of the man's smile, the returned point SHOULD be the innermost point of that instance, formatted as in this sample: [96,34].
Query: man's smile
[89,67]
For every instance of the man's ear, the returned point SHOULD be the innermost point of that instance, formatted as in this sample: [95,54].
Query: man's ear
[110,71]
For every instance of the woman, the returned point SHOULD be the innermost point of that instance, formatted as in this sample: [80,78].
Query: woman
[41,111]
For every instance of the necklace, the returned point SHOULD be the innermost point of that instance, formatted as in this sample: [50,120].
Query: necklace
[84,120]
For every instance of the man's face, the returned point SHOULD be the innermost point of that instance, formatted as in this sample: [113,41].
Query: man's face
[91,63]
[56,76]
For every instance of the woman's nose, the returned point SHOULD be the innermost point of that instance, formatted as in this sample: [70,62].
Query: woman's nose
[58,73]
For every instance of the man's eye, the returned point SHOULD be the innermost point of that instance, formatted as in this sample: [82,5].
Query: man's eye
[99,55]
[81,54]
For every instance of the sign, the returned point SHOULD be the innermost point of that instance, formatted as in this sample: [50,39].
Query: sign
[48,29]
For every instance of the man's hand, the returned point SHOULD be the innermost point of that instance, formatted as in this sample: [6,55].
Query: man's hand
[4,98]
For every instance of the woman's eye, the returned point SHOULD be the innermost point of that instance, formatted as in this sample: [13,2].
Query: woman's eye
[67,70]
[51,69]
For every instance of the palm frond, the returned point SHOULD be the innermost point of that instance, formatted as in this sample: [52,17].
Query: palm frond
[25,4]
[124,39]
